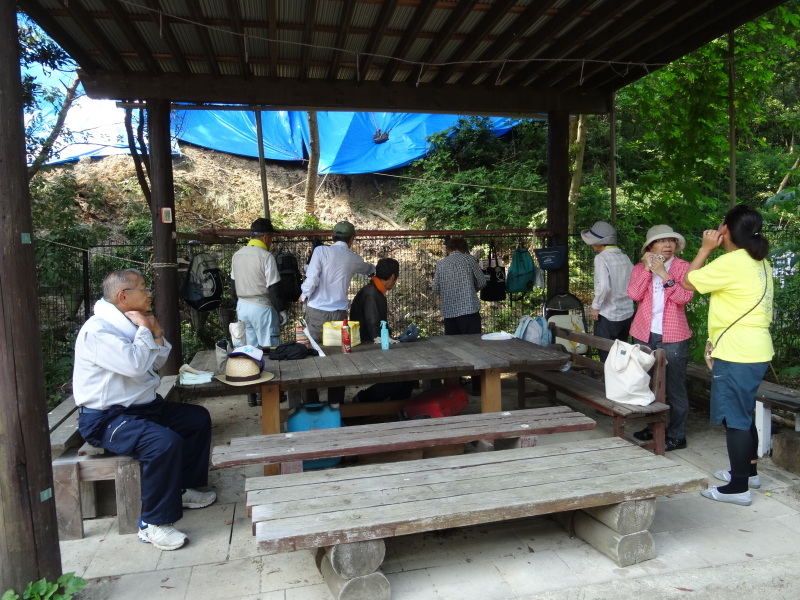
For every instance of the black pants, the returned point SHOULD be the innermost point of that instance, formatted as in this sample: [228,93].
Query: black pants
[463,325]
[171,440]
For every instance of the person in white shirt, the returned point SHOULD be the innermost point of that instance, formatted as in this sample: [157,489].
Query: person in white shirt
[612,309]
[325,289]
[328,276]
[114,382]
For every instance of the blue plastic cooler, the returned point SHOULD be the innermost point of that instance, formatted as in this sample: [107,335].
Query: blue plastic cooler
[316,416]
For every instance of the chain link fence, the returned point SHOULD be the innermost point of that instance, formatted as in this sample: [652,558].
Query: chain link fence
[64,307]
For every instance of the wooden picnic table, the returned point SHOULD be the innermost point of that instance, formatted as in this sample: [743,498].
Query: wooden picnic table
[438,357]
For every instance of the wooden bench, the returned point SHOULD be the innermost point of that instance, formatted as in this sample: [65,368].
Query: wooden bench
[78,465]
[769,396]
[607,487]
[591,391]
[510,429]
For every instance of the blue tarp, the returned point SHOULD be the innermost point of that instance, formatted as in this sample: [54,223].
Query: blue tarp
[346,138]
[347,144]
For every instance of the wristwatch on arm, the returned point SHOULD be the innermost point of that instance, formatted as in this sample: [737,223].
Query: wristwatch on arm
[668,283]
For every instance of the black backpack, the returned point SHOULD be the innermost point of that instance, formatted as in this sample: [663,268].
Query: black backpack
[202,288]
[290,275]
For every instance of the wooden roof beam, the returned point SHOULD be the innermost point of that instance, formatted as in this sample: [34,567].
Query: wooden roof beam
[487,24]
[570,47]
[411,34]
[164,26]
[321,94]
[308,38]
[205,39]
[93,33]
[620,52]
[345,26]
[382,23]
[696,30]
[446,34]
[132,35]
[44,19]
[241,42]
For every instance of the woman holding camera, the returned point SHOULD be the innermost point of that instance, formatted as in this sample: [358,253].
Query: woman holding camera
[660,321]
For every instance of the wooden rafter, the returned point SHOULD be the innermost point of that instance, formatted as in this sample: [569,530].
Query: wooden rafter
[165,30]
[205,38]
[132,35]
[387,9]
[344,29]
[96,35]
[487,24]
[241,44]
[409,37]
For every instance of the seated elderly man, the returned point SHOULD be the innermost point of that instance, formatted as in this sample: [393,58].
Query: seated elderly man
[114,383]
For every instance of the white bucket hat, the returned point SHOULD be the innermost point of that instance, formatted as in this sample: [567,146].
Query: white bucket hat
[659,232]
[601,233]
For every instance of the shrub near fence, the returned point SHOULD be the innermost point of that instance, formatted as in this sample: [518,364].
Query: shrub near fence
[63,311]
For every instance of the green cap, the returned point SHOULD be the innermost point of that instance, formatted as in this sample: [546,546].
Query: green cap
[344,229]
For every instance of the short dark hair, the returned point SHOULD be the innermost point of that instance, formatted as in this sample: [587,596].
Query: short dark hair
[261,227]
[387,267]
[456,244]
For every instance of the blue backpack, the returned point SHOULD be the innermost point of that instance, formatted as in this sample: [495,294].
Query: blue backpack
[533,329]
[521,276]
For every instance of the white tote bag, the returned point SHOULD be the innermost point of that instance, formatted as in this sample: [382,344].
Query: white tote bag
[626,374]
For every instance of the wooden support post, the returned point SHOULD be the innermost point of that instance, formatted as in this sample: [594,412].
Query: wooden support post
[626,517]
[624,549]
[558,193]
[357,558]
[491,394]
[29,539]
[165,250]
[270,417]
[374,586]
[128,487]
[764,427]
[66,478]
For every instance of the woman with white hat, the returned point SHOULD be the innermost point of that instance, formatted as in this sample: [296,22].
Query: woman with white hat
[660,321]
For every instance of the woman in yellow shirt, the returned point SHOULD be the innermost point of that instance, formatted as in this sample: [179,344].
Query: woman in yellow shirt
[739,315]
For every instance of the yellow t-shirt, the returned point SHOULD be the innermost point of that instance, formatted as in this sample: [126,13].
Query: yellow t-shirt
[736,283]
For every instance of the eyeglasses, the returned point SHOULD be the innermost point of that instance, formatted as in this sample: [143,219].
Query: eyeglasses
[147,290]
[667,240]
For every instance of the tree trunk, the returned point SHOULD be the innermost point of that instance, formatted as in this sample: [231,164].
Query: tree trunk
[262,166]
[137,158]
[47,147]
[313,162]
[579,144]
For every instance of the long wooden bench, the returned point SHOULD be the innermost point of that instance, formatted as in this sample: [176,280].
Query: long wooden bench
[515,428]
[77,466]
[769,396]
[606,487]
[591,391]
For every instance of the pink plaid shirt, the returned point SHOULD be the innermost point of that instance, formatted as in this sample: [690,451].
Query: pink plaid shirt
[640,289]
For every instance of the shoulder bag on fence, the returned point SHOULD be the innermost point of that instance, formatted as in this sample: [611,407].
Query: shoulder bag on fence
[626,375]
[710,345]
[550,257]
[495,289]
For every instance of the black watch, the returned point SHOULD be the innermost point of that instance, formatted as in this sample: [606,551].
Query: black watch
[669,283]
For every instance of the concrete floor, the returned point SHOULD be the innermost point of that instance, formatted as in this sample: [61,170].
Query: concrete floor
[705,549]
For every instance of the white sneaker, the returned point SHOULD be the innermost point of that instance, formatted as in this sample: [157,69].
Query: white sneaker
[197,499]
[753,482]
[163,537]
[742,499]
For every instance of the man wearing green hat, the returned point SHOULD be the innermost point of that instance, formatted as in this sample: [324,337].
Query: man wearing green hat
[328,276]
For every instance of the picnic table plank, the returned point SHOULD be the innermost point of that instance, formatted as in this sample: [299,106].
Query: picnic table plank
[374,438]
[453,496]
[345,477]
[466,349]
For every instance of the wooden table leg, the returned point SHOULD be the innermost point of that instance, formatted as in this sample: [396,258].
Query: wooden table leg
[270,417]
[490,391]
